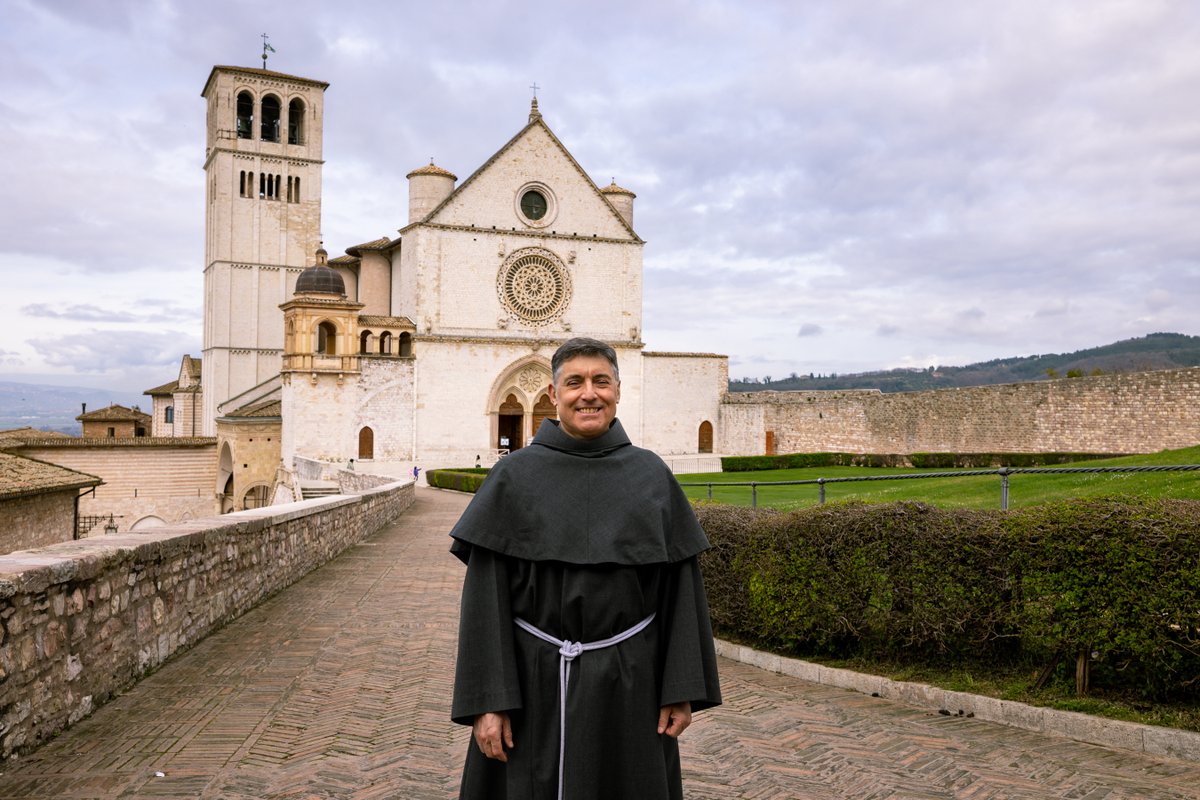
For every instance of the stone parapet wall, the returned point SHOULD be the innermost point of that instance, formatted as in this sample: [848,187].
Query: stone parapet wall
[1137,412]
[82,620]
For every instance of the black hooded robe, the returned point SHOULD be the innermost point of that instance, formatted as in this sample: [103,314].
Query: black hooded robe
[583,539]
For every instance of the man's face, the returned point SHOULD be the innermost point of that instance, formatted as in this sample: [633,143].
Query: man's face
[586,395]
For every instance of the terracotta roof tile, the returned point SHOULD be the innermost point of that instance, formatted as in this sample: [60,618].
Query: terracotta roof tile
[432,169]
[376,320]
[20,477]
[612,188]
[115,413]
[267,408]
[27,433]
[166,388]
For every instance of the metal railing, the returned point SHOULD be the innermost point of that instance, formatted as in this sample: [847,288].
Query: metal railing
[1003,472]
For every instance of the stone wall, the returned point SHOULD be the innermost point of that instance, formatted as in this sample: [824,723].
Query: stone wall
[80,621]
[1139,412]
[681,391]
[171,479]
[37,520]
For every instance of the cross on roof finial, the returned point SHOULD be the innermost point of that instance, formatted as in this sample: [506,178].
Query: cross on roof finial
[535,87]
[266,49]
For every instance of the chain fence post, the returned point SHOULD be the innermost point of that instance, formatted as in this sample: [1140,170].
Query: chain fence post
[710,491]
[753,494]
[821,486]
[1004,488]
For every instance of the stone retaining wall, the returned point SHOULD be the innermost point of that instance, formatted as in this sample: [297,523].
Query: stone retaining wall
[82,620]
[1140,412]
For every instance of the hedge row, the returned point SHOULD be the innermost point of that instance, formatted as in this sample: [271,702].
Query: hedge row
[1118,577]
[986,460]
[919,460]
[462,480]
[798,460]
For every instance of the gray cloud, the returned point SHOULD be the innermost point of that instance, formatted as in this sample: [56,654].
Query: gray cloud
[116,351]
[809,329]
[148,311]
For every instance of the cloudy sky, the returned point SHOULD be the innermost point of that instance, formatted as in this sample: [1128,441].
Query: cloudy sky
[826,186]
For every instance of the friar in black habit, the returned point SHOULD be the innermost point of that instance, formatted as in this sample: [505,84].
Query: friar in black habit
[584,638]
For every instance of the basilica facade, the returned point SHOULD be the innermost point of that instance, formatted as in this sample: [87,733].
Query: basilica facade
[430,346]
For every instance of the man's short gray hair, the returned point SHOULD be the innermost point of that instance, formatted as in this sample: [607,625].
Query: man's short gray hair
[583,346]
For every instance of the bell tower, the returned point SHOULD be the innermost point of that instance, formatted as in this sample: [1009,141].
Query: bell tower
[262,166]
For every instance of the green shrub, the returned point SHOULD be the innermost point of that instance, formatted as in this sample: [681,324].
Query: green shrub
[905,581]
[989,460]
[801,460]
[918,460]
[463,480]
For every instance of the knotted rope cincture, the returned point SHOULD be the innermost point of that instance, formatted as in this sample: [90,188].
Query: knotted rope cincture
[568,652]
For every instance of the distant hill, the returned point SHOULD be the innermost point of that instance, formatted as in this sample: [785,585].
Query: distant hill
[1155,351]
[54,408]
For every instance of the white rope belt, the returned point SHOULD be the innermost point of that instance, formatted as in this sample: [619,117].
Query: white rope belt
[568,652]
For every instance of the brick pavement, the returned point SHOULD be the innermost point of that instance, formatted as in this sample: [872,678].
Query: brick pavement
[339,687]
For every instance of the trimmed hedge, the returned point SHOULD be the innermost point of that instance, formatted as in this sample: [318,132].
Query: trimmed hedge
[1118,577]
[986,460]
[799,460]
[462,480]
[919,460]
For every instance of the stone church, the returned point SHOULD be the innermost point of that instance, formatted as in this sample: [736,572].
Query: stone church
[429,347]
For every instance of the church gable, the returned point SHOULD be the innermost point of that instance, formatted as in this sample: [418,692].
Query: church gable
[533,184]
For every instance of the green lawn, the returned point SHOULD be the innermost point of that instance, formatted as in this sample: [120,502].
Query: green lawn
[969,492]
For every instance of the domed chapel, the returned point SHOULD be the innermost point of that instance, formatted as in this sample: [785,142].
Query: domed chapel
[430,346]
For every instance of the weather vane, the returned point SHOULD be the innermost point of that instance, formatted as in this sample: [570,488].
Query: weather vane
[266,49]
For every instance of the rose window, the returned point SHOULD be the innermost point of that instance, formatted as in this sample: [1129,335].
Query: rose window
[533,286]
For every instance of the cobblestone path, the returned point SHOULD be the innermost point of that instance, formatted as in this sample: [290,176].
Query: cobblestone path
[339,688]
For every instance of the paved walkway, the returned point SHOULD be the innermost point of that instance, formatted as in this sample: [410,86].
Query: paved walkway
[339,687]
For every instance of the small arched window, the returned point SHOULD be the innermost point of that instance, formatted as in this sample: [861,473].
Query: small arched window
[296,121]
[385,344]
[169,415]
[327,339]
[364,342]
[406,344]
[270,119]
[245,115]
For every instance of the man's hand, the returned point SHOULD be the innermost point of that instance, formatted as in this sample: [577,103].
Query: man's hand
[674,719]
[493,733]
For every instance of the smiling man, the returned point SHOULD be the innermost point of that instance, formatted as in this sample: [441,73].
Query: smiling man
[584,638]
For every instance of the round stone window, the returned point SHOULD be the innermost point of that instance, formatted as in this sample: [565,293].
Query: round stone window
[533,286]
[535,205]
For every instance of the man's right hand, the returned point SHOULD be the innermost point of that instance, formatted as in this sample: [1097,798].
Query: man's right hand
[493,733]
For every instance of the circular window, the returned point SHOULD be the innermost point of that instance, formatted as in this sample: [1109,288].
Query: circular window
[533,205]
[533,286]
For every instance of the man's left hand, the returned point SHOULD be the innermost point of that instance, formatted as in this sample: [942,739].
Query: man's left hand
[674,719]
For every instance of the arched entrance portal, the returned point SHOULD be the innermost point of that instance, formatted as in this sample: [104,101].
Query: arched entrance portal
[705,444]
[512,414]
[517,403]
[366,444]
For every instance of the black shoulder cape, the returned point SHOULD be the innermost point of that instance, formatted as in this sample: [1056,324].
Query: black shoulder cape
[594,501]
